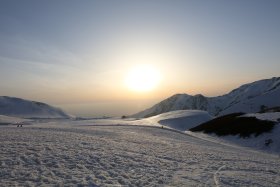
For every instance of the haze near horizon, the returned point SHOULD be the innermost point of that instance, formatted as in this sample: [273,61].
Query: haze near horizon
[95,58]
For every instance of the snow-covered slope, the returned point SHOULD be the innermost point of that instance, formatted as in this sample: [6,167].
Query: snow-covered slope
[17,107]
[271,116]
[181,119]
[268,140]
[247,98]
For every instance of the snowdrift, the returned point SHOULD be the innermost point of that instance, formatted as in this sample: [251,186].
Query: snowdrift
[181,119]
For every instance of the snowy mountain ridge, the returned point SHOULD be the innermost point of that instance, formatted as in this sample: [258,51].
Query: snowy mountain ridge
[17,107]
[248,98]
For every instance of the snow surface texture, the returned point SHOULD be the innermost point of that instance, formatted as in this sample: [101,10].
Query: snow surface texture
[247,98]
[71,153]
[268,142]
[28,109]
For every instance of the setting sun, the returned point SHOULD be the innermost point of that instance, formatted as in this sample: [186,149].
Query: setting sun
[142,78]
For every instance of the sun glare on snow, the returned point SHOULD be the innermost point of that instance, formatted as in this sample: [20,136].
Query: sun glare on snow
[142,78]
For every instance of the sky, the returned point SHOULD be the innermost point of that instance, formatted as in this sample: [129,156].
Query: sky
[77,55]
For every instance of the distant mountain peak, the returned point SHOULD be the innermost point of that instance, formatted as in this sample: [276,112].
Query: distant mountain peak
[17,107]
[249,97]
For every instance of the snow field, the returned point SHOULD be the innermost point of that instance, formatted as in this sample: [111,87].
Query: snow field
[61,155]
[6,120]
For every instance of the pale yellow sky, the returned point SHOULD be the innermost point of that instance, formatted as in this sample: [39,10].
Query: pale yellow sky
[80,61]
